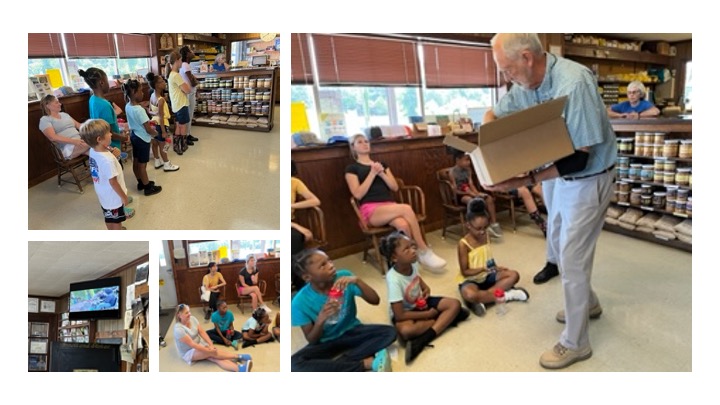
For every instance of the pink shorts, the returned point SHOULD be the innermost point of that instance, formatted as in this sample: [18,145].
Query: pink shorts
[367,209]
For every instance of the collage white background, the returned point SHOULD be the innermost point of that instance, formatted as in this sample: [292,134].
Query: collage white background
[367,16]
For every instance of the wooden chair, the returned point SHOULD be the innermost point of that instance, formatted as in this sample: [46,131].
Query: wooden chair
[372,234]
[77,167]
[452,211]
[414,197]
[506,200]
[313,219]
[246,299]
[206,304]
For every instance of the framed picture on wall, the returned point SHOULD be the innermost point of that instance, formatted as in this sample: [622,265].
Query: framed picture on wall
[33,305]
[38,346]
[39,329]
[37,362]
[47,306]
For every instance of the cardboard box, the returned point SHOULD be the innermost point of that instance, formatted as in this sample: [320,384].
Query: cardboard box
[518,143]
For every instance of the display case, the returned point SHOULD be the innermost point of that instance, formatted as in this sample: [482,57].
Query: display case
[654,172]
[238,99]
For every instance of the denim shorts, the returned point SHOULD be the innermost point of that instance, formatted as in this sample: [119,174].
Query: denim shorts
[182,117]
[141,149]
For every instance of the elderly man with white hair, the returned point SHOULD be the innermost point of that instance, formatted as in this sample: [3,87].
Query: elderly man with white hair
[636,106]
[576,188]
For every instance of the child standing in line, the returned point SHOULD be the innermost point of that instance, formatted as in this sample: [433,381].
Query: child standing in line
[337,340]
[465,190]
[417,316]
[224,332]
[179,91]
[479,276]
[161,119]
[255,329]
[100,107]
[106,172]
[141,135]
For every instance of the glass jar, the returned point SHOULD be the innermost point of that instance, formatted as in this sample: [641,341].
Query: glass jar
[682,178]
[685,151]
[688,207]
[669,205]
[624,197]
[682,195]
[659,138]
[646,200]
[658,200]
[669,177]
[634,196]
[646,173]
[635,169]
[670,148]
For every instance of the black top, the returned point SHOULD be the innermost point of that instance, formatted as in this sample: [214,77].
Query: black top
[378,191]
[247,276]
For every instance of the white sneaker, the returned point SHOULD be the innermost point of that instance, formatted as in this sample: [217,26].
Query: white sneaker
[169,167]
[495,230]
[429,259]
[158,163]
[516,294]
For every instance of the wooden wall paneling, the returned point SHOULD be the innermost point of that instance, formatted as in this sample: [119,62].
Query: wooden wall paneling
[188,280]
[414,160]
[40,161]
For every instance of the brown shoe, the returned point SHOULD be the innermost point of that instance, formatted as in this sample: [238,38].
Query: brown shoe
[595,313]
[561,357]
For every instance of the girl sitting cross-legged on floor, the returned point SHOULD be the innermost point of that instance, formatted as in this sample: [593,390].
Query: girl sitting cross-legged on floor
[479,276]
[417,316]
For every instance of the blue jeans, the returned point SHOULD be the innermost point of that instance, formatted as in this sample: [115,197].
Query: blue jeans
[345,353]
[213,335]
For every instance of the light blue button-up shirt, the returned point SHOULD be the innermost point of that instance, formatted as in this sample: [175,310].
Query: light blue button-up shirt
[585,114]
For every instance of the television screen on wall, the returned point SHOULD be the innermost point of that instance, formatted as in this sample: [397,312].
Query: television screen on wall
[96,299]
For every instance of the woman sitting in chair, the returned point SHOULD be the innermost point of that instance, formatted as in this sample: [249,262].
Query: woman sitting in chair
[371,183]
[248,281]
[212,282]
[61,129]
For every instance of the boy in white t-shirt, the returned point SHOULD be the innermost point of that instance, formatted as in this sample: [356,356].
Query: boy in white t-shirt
[106,172]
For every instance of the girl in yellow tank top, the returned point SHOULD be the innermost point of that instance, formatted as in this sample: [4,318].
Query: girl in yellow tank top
[479,276]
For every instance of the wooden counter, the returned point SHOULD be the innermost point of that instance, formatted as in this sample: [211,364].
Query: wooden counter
[661,124]
[40,161]
[188,280]
[414,160]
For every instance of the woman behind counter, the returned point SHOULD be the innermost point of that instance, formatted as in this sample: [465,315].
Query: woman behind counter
[220,65]
[636,106]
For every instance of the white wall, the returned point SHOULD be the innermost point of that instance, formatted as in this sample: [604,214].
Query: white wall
[168,293]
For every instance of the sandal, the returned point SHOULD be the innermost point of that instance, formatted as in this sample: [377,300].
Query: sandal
[245,366]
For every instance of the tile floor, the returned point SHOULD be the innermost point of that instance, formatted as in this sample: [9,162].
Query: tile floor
[228,180]
[645,290]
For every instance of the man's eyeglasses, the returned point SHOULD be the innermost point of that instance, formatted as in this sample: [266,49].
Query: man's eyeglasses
[633,92]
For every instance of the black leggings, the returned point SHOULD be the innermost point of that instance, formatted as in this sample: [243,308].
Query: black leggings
[213,301]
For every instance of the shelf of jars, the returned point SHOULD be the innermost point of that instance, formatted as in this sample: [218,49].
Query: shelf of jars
[236,99]
[654,174]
